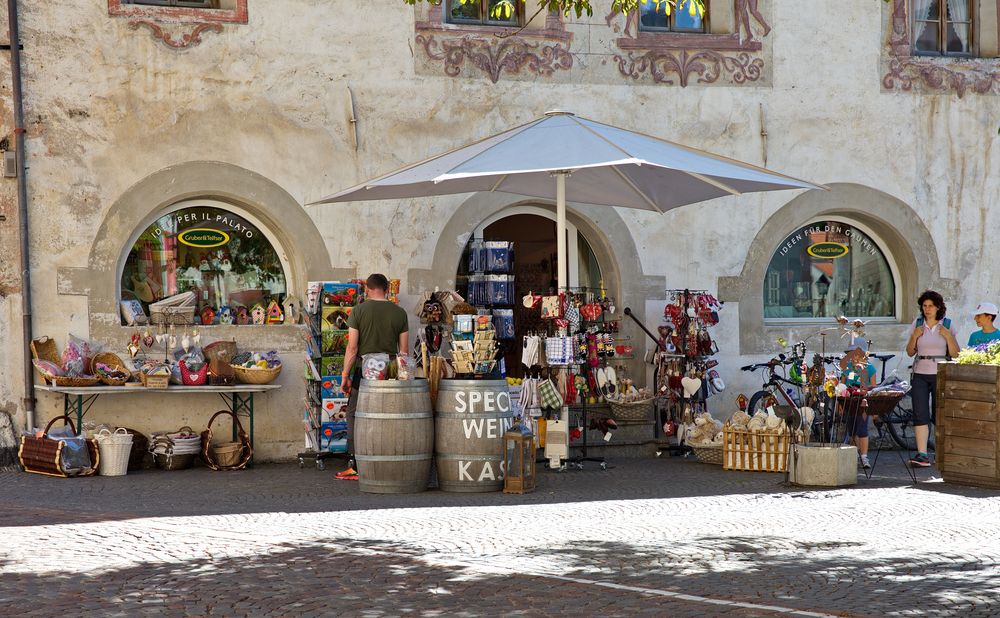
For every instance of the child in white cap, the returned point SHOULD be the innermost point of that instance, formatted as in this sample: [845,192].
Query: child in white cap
[984,315]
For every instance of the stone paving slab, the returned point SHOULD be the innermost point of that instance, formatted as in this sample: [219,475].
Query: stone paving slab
[648,537]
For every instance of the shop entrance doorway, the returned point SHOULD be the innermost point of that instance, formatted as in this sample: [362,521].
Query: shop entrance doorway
[532,231]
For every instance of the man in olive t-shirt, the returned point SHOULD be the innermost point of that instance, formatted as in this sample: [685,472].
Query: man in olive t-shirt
[376,325]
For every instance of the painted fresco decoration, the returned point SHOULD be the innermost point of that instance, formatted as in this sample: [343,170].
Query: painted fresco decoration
[675,58]
[178,27]
[493,51]
[901,70]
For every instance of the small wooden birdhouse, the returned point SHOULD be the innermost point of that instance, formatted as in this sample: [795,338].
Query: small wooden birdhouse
[274,313]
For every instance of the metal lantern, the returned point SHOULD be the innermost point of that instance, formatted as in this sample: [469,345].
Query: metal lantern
[519,460]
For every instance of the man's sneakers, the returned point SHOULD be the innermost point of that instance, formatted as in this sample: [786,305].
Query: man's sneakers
[865,463]
[920,460]
[349,474]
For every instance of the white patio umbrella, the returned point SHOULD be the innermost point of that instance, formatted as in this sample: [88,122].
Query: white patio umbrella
[608,166]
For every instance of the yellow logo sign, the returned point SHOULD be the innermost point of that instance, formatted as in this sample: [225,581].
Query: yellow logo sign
[203,237]
[828,250]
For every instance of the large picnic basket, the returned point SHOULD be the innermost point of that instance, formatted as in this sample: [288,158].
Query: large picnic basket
[44,455]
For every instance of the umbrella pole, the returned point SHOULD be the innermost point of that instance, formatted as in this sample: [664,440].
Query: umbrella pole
[561,228]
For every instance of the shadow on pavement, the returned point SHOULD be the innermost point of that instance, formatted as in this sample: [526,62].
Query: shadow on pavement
[327,580]
[348,577]
[30,499]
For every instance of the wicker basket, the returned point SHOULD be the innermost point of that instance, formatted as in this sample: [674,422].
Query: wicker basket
[111,360]
[878,405]
[633,411]
[76,381]
[245,375]
[708,453]
[227,454]
[221,457]
[115,449]
[44,348]
[163,446]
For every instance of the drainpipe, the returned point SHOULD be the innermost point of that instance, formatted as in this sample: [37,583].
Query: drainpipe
[22,211]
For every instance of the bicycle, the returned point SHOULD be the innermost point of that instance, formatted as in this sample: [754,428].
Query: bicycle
[901,418]
[776,389]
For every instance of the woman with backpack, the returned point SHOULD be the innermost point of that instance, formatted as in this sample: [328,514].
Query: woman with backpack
[933,340]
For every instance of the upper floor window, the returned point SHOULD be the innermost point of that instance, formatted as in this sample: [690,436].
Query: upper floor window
[686,17]
[485,12]
[942,27]
[829,268]
[194,4]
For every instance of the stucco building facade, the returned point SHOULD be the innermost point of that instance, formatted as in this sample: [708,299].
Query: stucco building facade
[260,107]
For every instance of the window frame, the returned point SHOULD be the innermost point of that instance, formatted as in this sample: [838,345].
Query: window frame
[897,300]
[671,29]
[152,218]
[942,22]
[484,17]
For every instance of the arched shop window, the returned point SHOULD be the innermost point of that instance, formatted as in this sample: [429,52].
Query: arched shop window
[829,268]
[220,256]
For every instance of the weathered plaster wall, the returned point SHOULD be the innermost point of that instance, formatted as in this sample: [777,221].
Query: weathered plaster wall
[108,106]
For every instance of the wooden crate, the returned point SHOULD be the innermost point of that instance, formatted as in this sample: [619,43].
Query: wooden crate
[967,444]
[754,451]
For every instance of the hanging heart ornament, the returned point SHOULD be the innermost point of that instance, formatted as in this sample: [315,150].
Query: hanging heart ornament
[690,385]
[147,339]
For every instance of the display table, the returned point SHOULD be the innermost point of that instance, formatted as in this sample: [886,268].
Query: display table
[238,398]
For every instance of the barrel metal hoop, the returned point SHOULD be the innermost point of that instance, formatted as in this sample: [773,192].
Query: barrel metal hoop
[421,457]
[486,415]
[470,457]
[403,416]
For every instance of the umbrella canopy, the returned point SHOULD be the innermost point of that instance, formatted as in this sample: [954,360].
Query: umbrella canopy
[606,165]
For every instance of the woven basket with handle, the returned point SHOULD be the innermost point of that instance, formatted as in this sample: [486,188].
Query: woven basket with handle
[115,449]
[44,348]
[218,461]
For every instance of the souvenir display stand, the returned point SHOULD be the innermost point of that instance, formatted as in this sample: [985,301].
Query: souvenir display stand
[328,307]
[577,379]
[684,375]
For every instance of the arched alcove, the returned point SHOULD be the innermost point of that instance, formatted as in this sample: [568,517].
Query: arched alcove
[899,231]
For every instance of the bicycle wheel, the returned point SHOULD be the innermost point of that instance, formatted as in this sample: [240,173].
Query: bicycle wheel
[899,422]
[760,401]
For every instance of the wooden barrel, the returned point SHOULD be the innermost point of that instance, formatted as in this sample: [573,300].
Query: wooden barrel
[394,436]
[470,419]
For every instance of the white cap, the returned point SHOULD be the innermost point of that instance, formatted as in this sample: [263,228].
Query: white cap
[989,308]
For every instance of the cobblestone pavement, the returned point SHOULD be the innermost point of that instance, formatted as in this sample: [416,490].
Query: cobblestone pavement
[663,537]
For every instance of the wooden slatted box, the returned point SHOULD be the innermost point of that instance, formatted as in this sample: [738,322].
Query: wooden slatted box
[967,445]
[754,450]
